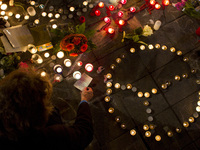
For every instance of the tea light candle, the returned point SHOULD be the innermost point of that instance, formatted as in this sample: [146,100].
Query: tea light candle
[17,16]
[50,15]
[77,75]
[26,17]
[79,63]
[111,7]
[157,6]
[146,103]
[101,4]
[185,124]
[1,2]
[123,1]
[185,59]
[67,62]
[85,3]
[5,17]
[154,90]
[58,77]
[109,76]
[172,49]
[150,46]
[120,13]
[177,78]
[3,13]
[97,13]
[158,138]
[37,21]
[10,13]
[111,110]
[111,30]
[142,47]
[147,133]
[132,9]
[128,86]
[108,91]
[164,86]
[58,68]
[54,26]
[44,14]
[145,127]
[123,87]
[198,108]
[166,2]
[60,54]
[185,75]
[106,19]
[112,66]
[121,22]
[31,48]
[117,85]
[32,2]
[148,110]
[88,67]
[43,74]
[108,84]
[152,126]
[132,50]
[118,60]
[123,126]
[164,47]
[147,94]
[152,2]
[178,130]
[179,53]
[107,99]
[157,46]
[57,15]
[191,119]
[132,132]
[140,94]
[4,6]
[91,5]
[71,9]
[46,55]
[198,103]
[170,133]
[117,119]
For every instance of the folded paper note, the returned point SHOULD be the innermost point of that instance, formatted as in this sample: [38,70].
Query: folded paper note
[83,82]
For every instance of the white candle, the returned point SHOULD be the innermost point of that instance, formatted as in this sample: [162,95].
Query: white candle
[57,15]
[60,54]
[72,9]
[10,13]
[26,17]
[44,14]
[3,13]
[88,67]
[67,62]
[37,21]
[58,68]
[4,7]
[17,16]
[50,15]
[54,26]
[85,3]
[77,75]
[157,25]
[46,55]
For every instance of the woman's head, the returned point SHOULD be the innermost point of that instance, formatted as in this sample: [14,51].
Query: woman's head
[24,100]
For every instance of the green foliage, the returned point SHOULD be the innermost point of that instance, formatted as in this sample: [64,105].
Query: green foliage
[190,10]
[80,29]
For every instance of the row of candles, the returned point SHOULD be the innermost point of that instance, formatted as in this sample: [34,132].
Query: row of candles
[36,58]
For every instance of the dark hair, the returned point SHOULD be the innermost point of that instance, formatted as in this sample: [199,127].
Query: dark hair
[24,102]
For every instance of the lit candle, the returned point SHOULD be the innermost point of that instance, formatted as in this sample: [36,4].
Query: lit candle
[140,94]
[178,130]
[54,26]
[186,59]
[111,7]
[128,86]
[170,133]
[108,84]
[107,99]
[17,16]
[3,13]
[4,7]
[60,54]
[117,119]
[121,22]
[132,132]
[111,30]
[177,77]
[154,90]
[37,21]
[26,17]
[46,55]
[186,124]
[97,13]
[198,108]
[1,2]
[58,77]
[157,6]
[157,46]
[50,15]
[142,47]
[166,2]
[43,73]
[5,17]
[132,50]
[191,119]
[145,127]
[111,110]
[32,2]
[150,46]
[67,62]
[40,60]
[123,126]
[117,85]
[31,48]
[109,91]
[158,137]
[88,67]
[164,47]
[172,49]
[101,4]
[71,9]
[10,13]
[118,60]
[79,63]
[132,9]
[58,68]
[44,14]
[147,94]
[179,53]
[106,19]
[85,3]
[57,15]
[77,75]
[147,133]
[109,76]
[120,13]
[164,86]
[152,2]
[123,1]
[198,103]
[146,103]
[152,126]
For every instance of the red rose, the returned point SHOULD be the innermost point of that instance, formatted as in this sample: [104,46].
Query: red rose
[76,40]
[198,31]
[84,47]
[73,54]
[82,19]
[23,65]
[69,47]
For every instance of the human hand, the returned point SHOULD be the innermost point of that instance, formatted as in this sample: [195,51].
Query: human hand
[87,94]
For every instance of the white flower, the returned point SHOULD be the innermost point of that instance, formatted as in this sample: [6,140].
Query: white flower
[147,31]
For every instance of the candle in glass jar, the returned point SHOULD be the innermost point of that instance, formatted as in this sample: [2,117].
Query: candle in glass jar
[88,67]
[132,132]
[117,85]
[77,75]
[58,68]
[67,62]
[60,54]
[31,48]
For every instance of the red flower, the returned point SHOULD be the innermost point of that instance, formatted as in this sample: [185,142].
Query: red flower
[84,47]
[69,47]
[76,40]
[73,54]
[82,19]
[198,31]
[23,65]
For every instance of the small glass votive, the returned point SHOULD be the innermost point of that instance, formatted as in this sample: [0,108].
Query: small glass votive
[60,54]
[77,75]
[32,48]
[132,132]
[140,94]
[109,91]
[109,84]
[158,138]
[58,68]
[117,119]
[111,110]
[157,46]
[107,99]
[67,62]
[142,47]
[117,85]
[147,133]
[109,76]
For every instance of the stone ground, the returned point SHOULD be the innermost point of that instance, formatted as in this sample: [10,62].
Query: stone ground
[145,70]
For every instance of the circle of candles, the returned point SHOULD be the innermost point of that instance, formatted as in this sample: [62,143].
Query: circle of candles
[123,1]
[191,119]
[142,47]
[140,94]
[132,50]
[120,13]
[117,85]
[128,86]
[117,119]
[111,30]
[179,53]
[170,133]
[43,74]
[198,108]
[58,68]
[172,49]
[57,15]
[10,13]
[132,9]
[145,127]
[108,91]
[109,76]
[50,15]
[152,2]
[106,19]
[108,84]
[146,103]
[150,118]
[60,54]
[44,14]
[111,7]
[3,13]
[185,124]
[158,137]
[111,110]
[31,48]
[112,66]
[46,55]
[121,22]
[4,6]
[152,126]
[164,86]
[185,59]
[26,17]
[147,94]
[164,47]
[150,46]
[77,75]
[71,9]
[157,6]
[107,99]
[97,13]
[37,21]
[123,87]
[157,46]
[166,2]
[132,132]
[134,89]
[177,77]
[178,130]
[101,4]
[123,126]
[118,60]
[85,3]
[17,16]
[148,110]
[67,62]
[154,90]
[88,67]
[185,75]
[54,26]
[147,133]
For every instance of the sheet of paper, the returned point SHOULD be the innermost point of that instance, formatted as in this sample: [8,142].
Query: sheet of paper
[83,82]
